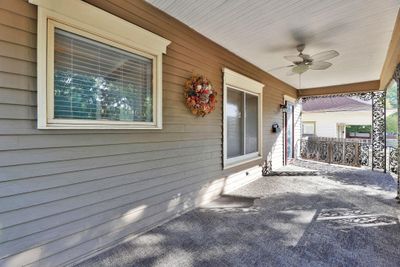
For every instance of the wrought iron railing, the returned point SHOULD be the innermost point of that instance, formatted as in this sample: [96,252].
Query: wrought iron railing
[349,152]
[392,157]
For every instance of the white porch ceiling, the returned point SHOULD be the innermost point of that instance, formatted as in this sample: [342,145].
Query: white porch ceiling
[263,31]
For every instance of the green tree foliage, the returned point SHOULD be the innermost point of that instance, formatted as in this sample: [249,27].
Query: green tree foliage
[85,96]
[72,102]
[391,96]
[391,123]
[358,128]
[392,103]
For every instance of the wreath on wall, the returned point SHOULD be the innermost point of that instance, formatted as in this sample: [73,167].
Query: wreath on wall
[200,97]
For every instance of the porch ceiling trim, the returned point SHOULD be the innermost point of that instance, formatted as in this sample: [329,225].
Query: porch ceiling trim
[391,61]
[392,55]
[340,89]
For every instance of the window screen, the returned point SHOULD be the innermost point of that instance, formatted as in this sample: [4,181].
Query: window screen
[96,81]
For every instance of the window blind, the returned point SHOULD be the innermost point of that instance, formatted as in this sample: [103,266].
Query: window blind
[96,81]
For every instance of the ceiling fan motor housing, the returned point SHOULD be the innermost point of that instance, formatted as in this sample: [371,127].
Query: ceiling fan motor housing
[300,48]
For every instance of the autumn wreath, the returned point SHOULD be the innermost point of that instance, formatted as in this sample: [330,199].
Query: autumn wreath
[200,96]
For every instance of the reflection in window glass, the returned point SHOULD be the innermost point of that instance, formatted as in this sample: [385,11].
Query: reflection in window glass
[235,120]
[242,123]
[251,123]
[95,81]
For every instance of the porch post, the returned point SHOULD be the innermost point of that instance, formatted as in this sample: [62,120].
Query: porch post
[396,77]
[379,130]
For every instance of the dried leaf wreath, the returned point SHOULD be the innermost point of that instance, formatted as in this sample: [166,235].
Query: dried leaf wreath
[200,96]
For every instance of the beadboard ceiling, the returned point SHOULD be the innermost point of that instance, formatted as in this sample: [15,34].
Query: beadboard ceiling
[263,31]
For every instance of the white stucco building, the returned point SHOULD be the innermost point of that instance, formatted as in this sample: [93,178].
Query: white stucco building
[328,117]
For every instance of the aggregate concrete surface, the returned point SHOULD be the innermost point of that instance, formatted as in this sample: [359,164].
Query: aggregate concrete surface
[340,217]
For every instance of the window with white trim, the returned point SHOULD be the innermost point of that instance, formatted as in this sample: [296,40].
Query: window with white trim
[242,118]
[96,70]
[308,128]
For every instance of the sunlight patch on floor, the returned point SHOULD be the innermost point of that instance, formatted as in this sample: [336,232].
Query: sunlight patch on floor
[149,240]
[349,218]
[293,223]
[180,257]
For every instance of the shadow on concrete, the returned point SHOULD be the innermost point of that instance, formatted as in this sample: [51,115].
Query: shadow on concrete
[285,231]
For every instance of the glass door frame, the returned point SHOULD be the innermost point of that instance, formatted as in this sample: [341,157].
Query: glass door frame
[285,136]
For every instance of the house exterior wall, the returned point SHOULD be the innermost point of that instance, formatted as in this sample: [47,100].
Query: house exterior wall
[68,194]
[326,122]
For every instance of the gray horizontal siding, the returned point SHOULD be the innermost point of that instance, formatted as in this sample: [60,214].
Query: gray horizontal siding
[35,198]
[30,156]
[48,140]
[17,82]
[138,192]
[173,173]
[67,193]
[17,51]
[17,36]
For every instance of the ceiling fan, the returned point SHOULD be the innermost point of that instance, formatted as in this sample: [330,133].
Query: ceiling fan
[303,62]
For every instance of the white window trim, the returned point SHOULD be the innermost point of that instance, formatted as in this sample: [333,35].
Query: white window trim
[240,82]
[289,99]
[81,16]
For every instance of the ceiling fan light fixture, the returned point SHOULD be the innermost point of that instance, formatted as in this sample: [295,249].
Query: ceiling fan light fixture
[300,69]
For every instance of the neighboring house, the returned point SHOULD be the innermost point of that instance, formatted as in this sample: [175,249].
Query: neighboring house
[337,117]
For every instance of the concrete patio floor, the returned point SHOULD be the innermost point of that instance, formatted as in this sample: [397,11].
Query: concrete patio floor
[342,217]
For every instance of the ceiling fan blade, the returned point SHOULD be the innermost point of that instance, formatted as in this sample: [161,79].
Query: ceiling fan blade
[293,58]
[282,67]
[320,65]
[326,55]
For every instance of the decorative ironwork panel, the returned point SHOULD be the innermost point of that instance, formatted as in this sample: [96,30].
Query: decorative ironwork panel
[303,148]
[393,155]
[363,154]
[323,151]
[266,168]
[312,148]
[350,154]
[378,130]
[337,152]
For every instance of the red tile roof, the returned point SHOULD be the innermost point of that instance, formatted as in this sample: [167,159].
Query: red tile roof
[338,103]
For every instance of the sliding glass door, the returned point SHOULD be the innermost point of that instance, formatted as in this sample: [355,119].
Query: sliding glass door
[242,125]
[289,132]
